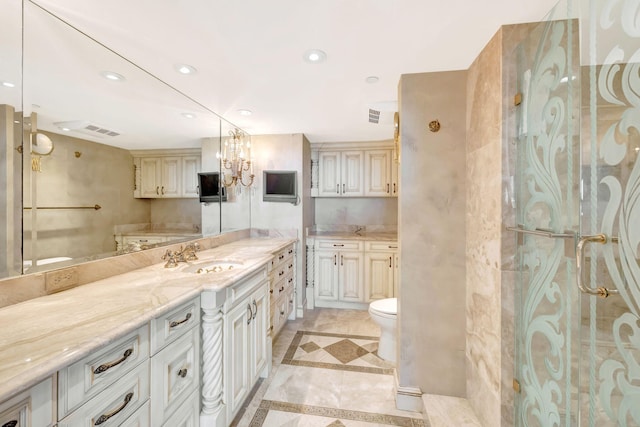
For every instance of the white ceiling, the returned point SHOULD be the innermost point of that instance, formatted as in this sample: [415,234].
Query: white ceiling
[249,53]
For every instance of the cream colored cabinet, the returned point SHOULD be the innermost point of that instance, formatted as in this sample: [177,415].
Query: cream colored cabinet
[381,270]
[379,274]
[377,173]
[341,174]
[246,325]
[339,272]
[34,407]
[282,282]
[161,177]
[166,173]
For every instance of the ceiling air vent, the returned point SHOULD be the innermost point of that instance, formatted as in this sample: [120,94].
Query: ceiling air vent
[87,128]
[374,116]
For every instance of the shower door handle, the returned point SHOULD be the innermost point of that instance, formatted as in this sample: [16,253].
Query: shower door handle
[600,291]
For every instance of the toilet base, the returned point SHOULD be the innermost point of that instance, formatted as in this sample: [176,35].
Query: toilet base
[387,347]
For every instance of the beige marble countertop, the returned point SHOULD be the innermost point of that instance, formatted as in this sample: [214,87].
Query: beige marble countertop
[45,334]
[347,235]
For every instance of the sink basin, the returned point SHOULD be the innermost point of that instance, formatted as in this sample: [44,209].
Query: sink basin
[212,267]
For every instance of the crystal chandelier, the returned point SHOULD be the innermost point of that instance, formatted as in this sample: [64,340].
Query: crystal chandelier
[236,160]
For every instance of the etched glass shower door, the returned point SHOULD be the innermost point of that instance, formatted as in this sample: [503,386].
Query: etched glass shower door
[578,295]
[547,213]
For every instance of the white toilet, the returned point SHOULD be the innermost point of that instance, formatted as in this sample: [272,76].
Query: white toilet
[385,312]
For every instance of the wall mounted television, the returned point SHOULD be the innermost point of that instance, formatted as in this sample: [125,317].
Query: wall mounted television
[280,186]
[210,189]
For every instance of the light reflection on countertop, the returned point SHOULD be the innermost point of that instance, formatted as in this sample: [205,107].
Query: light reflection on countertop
[44,334]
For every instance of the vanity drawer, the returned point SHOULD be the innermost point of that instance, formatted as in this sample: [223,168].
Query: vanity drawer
[175,373]
[140,418]
[84,379]
[381,246]
[348,245]
[171,325]
[113,406]
[33,407]
[187,415]
[245,287]
[281,256]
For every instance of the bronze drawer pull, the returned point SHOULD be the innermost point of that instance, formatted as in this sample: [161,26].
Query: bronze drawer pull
[12,423]
[281,273]
[393,247]
[281,256]
[290,266]
[176,323]
[255,306]
[270,291]
[338,246]
[250,313]
[106,366]
[105,417]
[290,251]
[182,372]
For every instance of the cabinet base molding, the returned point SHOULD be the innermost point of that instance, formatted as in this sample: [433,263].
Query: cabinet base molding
[342,304]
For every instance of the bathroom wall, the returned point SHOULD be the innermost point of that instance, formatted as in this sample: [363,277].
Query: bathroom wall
[285,152]
[431,226]
[491,273]
[101,175]
[172,211]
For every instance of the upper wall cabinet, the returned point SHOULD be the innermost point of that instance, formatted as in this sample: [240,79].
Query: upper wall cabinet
[341,173]
[341,170]
[166,173]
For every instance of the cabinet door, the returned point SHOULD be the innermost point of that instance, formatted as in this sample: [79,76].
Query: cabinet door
[379,275]
[329,174]
[237,356]
[150,177]
[395,177]
[396,274]
[377,173]
[351,276]
[258,330]
[171,177]
[326,276]
[352,173]
[190,169]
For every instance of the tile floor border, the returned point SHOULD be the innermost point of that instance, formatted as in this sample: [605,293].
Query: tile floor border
[341,414]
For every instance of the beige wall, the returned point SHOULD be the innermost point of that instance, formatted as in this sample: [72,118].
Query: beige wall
[101,175]
[431,232]
[357,211]
[176,211]
[285,152]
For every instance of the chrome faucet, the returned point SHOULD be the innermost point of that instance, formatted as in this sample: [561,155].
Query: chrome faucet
[181,255]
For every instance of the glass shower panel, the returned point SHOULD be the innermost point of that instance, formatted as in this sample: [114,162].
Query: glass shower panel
[547,214]
[610,205]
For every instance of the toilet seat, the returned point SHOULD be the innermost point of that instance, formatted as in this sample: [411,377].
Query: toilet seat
[385,307]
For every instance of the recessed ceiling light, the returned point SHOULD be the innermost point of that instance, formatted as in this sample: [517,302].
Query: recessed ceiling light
[16,121]
[189,115]
[244,112]
[185,69]
[315,56]
[372,79]
[114,77]
[8,84]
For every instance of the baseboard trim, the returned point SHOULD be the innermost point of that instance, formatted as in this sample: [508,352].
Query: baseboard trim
[408,398]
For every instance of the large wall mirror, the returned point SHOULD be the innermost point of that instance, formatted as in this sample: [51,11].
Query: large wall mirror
[110,153]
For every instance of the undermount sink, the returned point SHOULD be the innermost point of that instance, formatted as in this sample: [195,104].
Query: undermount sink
[212,267]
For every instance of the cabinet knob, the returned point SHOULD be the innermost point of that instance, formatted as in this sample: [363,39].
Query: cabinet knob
[182,372]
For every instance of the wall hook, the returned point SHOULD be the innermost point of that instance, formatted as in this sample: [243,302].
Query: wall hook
[434,125]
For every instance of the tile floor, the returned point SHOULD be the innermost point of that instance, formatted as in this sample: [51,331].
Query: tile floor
[326,374]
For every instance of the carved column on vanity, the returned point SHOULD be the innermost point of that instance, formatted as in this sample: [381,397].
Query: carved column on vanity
[213,408]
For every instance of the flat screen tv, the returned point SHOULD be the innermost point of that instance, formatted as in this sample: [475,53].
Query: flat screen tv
[280,186]
[210,188]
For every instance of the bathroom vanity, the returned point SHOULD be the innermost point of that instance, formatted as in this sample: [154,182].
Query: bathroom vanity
[152,347]
[349,270]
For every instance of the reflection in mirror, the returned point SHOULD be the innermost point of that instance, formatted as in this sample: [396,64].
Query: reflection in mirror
[237,171]
[11,138]
[128,147]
